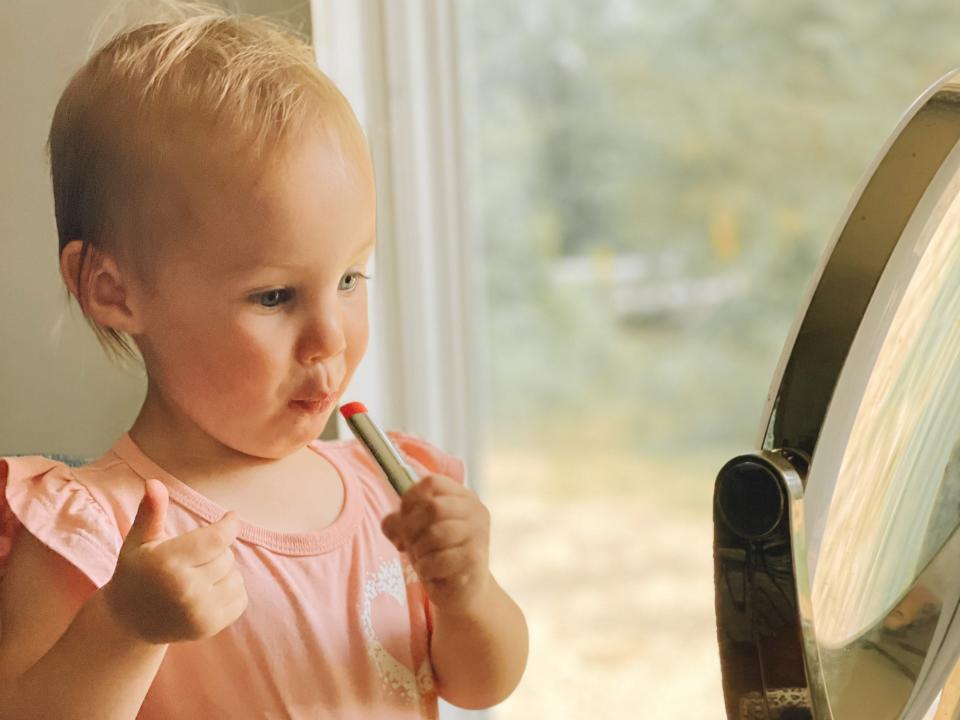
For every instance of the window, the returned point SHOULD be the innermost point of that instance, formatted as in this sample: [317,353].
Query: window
[604,216]
[652,185]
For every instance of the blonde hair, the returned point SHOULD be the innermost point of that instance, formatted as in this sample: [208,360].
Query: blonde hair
[246,79]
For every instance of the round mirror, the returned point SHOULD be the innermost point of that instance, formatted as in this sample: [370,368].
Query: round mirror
[843,609]
[890,485]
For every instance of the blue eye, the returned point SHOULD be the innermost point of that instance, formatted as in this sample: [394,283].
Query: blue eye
[356,281]
[274,298]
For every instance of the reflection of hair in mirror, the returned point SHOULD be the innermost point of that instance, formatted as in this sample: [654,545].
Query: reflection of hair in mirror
[918,605]
[945,515]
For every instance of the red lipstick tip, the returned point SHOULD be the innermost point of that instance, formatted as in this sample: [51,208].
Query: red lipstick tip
[351,409]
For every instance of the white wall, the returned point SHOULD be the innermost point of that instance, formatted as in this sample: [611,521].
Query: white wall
[58,392]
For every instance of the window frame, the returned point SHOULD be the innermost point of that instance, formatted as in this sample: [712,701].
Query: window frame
[398,65]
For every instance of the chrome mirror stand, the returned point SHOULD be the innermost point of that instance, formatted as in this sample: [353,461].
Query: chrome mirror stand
[768,651]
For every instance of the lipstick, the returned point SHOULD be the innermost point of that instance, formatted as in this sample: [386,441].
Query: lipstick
[398,472]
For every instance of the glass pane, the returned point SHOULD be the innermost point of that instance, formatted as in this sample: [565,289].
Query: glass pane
[651,185]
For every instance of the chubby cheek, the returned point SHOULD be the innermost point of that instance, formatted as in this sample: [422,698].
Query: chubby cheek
[224,372]
[232,375]
[357,337]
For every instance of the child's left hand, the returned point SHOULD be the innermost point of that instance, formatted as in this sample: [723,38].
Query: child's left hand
[445,531]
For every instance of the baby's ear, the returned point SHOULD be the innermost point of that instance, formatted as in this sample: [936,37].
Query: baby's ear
[105,297]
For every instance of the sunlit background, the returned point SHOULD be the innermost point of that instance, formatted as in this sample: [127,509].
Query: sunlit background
[653,185]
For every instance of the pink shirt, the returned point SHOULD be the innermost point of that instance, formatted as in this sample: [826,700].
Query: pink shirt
[337,624]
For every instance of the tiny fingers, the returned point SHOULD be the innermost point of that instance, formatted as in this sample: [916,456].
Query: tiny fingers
[235,598]
[440,536]
[232,584]
[436,484]
[218,568]
[420,516]
[392,526]
[443,563]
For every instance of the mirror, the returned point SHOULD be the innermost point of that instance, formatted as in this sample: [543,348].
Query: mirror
[837,542]
[896,495]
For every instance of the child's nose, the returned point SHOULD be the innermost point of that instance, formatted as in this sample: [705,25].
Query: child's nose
[323,337]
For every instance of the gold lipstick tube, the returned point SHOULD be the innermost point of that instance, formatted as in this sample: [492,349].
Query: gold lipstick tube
[398,472]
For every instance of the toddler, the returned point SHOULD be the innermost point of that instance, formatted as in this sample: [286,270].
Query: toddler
[215,207]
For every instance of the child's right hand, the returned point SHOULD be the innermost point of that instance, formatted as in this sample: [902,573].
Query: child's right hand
[172,589]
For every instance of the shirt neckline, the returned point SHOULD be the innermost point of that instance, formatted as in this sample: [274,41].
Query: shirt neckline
[306,543]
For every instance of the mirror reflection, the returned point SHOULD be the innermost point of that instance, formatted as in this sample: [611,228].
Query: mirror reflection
[897,496]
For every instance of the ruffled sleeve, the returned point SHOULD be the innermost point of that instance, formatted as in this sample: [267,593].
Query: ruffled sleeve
[45,497]
[427,458]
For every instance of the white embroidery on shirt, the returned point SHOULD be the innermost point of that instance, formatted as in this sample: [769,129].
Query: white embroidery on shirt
[391,578]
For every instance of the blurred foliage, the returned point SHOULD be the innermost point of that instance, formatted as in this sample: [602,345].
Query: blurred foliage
[727,136]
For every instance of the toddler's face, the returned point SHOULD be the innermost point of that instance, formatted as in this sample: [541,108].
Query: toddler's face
[260,302]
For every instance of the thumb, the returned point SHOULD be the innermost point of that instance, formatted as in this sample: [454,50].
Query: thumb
[230,524]
[148,524]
